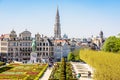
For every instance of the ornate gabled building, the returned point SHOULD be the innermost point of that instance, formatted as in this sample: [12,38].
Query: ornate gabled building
[57,29]
[19,48]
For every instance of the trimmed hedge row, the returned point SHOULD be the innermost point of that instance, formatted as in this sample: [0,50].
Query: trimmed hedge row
[2,63]
[62,71]
[41,73]
[106,64]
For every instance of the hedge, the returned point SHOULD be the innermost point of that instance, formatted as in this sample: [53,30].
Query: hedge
[41,73]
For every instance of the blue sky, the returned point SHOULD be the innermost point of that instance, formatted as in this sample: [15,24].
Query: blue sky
[78,18]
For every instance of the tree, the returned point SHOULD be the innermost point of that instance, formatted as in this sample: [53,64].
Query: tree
[70,56]
[112,44]
[76,54]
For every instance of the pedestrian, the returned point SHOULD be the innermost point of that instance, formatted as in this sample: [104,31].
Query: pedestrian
[78,75]
[49,65]
[89,74]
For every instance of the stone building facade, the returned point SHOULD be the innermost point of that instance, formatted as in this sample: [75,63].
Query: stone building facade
[19,48]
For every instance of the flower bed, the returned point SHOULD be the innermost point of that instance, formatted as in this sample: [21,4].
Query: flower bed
[21,71]
[62,71]
[2,63]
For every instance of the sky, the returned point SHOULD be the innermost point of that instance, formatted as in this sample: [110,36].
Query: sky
[78,18]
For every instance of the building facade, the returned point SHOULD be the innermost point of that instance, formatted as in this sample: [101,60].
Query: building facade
[19,48]
[61,49]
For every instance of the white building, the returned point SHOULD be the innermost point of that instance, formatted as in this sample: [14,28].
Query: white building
[61,49]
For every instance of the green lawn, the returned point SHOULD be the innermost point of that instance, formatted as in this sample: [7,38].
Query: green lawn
[22,71]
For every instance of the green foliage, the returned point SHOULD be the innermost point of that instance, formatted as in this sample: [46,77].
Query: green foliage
[22,71]
[62,71]
[2,63]
[70,56]
[74,56]
[105,64]
[112,44]
[41,73]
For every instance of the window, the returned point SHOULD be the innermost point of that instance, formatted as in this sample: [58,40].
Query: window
[37,44]
[43,49]
[37,54]
[20,44]
[28,38]
[11,49]
[40,44]
[25,38]
[43,44]
[46,44]
[14,44]
[25,49]
[8,54]
[25,44]
[46,54]
[46,49]
[37,49]
[43,54]
[40,48]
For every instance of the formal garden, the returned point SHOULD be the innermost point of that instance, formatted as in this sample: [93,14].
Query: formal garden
[62,71]
[2,63]
[17,71]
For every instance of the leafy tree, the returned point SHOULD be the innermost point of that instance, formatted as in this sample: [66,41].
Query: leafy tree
[76,54]
[70,56]
[112,44]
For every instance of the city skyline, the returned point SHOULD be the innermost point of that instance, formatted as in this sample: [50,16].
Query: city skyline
[78,18]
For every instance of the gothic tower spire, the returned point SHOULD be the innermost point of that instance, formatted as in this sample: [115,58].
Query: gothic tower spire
[57,29]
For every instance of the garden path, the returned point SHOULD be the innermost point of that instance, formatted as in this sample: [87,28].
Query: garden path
[46,74]
[83,69]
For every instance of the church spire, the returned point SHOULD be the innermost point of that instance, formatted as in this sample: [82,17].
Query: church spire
[57,29]
[57,14]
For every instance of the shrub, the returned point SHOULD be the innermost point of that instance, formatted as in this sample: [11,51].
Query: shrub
[41,73]
[2,63]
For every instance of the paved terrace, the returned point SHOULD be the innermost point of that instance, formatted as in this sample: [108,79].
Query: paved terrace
[83,69]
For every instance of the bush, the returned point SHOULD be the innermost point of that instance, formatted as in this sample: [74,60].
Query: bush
[70,57]
[62,71]
[41,73]
[112,44]
[2,63]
